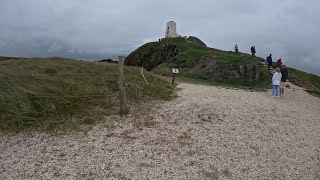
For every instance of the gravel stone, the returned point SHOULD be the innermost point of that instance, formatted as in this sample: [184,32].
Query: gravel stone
[206,133]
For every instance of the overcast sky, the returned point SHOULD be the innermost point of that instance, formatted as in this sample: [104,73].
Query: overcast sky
[95,29]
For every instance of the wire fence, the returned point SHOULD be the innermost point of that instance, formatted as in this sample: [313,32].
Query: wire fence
[13,78]
[139,74]
[34,98]
[42,74]
[65,96]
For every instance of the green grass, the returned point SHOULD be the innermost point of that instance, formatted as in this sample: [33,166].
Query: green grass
[192,76]
[309,81]
[56,95]
[191,56]
[304,79]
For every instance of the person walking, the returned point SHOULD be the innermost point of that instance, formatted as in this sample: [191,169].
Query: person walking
[236,48]
[269,60]
[285,74]
[276,82]
[253,50]
[279,63]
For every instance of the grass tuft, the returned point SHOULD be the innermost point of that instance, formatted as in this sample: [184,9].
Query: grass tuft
[56,95]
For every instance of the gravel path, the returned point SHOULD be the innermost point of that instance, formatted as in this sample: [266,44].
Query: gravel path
[205,133]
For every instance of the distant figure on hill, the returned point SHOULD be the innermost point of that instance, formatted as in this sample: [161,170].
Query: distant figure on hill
[253,50]
[236,48]
[279,63]
[285,74]
[276,82]
[269,60]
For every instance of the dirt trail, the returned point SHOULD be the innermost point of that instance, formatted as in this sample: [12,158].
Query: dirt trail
[205,133]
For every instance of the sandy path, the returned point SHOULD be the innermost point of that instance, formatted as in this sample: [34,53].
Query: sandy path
[206,133]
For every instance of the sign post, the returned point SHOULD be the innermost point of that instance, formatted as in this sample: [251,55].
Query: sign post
[174,71]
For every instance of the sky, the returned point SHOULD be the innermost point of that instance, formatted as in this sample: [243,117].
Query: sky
[101,29]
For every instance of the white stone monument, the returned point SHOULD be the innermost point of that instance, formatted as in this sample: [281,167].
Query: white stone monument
[171,30]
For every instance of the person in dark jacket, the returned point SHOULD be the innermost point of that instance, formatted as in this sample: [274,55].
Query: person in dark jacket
[285,74]
[269,60]
[253,50]
[236,48]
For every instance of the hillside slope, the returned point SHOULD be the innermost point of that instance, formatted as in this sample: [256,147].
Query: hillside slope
[208,65]
[201,63]
[308,81]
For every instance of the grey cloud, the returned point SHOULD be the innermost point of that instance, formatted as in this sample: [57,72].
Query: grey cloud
[102,29]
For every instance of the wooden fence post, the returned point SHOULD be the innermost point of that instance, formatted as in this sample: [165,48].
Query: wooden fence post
[122,87]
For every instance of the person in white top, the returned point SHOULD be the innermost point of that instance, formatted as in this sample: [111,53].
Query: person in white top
[276,82]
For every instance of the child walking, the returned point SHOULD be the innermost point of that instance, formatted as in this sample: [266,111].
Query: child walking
[276,82]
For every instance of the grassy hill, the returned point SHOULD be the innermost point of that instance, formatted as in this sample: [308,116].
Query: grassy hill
[309,81]
[200,63]
[212,66]
[57,94]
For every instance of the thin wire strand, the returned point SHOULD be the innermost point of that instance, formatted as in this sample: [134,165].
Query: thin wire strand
[83,96]
[40,74]
[86,96]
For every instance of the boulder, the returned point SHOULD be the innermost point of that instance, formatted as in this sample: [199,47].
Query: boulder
[209,68]
[251,71]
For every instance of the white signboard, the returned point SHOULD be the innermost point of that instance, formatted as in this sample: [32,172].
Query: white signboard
[175,70]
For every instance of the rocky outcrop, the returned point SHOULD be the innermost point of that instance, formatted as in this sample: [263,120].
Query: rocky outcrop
[150,56]
[208,67]
[196,41]
[108,61]
[169,50]
[251,71]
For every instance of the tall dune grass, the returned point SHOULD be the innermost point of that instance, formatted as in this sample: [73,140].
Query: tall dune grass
[56,94]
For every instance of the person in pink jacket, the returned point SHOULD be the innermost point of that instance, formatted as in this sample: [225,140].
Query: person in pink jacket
[276,82]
